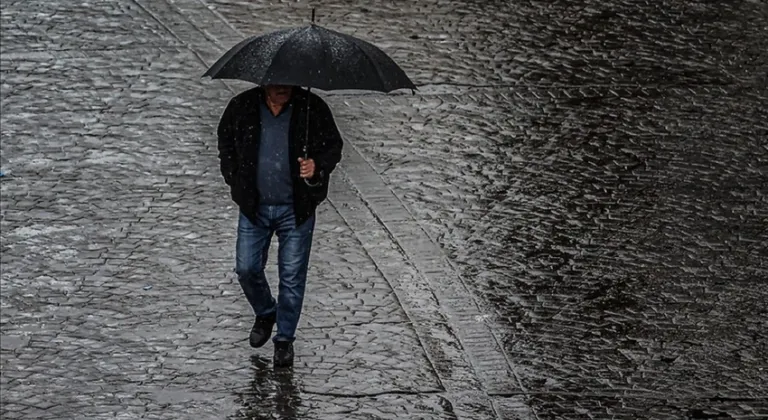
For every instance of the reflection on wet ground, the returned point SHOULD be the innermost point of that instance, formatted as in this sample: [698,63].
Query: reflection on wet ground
[274,393]
[621,245]
[609,206]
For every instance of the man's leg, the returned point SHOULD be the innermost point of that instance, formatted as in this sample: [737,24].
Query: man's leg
[295,244]
[253,240]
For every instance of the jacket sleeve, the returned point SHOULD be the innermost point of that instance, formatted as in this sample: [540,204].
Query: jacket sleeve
[227,151]
[327,144]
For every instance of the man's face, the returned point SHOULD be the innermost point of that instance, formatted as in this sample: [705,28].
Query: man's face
[278,94]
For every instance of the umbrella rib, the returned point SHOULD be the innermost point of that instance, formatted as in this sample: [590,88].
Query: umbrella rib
[224,59]
[325,51]
[370,60]
[288,38]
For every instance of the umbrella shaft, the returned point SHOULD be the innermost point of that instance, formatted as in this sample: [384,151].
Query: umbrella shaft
[306,141]
[306,132]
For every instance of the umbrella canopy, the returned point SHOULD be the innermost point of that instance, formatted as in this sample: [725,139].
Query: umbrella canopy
[313,57]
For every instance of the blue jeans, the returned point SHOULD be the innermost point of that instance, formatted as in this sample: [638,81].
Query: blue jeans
[294,245]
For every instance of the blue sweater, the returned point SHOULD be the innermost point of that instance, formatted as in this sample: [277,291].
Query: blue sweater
[274,181]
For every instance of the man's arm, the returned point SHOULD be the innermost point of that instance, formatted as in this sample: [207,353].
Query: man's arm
[227,151]
[326,151]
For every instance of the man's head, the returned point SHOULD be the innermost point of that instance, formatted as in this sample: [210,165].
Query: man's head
[278,94]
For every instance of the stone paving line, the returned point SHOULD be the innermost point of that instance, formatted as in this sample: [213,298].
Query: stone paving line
[117,235]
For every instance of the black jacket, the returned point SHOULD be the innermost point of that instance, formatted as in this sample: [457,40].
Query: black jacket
[239,131]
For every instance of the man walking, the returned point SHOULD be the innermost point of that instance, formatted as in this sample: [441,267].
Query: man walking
[261,140]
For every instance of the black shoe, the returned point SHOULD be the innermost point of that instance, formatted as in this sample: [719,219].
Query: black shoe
[262,330]
[283,354]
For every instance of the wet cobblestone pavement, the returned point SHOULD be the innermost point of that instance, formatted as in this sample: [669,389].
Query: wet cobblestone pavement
[567,221]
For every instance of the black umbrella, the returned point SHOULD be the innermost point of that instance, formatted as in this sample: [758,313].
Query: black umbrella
[311,56]
[314,57]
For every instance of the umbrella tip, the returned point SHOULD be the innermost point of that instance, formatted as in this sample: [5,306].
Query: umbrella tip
[313,15]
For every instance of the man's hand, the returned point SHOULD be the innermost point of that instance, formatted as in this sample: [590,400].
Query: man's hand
[307,170]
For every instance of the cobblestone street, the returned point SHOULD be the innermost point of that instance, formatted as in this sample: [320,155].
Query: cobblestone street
[568,220]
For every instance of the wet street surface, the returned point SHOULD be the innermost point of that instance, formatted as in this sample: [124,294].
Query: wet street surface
[568,220]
